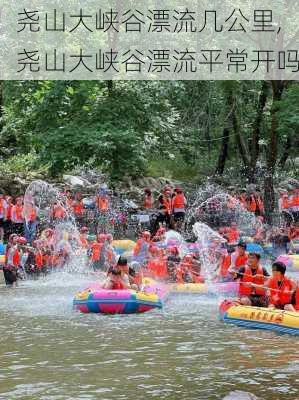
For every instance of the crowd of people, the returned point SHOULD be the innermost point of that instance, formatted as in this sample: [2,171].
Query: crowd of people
[35,246]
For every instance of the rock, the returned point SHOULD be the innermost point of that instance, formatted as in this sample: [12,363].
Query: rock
[75,181]
[240,395]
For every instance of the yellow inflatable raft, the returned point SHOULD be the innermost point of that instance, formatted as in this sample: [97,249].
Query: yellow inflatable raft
[123,247]
[260,318]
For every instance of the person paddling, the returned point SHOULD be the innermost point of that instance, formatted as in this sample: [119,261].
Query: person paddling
[252,277]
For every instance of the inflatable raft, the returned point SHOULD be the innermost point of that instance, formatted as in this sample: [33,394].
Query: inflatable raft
[2,259]
[291,261]
[226,288]
[260,318]
[123,246]
[95,299]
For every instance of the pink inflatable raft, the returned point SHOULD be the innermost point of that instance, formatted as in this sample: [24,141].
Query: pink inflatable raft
[95,299]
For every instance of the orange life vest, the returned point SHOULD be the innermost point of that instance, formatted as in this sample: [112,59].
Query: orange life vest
[284,202]
[295,200]
[102,203]
[284,295]
[157,267]
[96,251]
[259,204]
[224,265]
[166,204]
[31,213]
[59,212]
[17,211]
[252,204]
[179,201]
[238,261]
[232,235]
[8,211]
[78,208]
[257,279]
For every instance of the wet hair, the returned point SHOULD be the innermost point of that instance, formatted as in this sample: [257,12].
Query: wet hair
[258,256]
[115,272]
[279,267]
[132,271]
[122,261]
[242,244]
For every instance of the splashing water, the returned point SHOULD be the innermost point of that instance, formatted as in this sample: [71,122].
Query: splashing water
[44,197]
[209,243]
[213,206]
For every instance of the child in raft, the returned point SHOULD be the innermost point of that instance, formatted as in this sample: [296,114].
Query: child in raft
[280,288]
[114,280]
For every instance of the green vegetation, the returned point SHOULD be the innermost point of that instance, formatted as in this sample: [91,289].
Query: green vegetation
[186,130]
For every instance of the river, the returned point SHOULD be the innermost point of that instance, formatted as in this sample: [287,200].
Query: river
[50,352]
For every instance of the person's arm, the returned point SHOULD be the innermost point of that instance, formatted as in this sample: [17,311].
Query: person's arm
[107,284]
[239,274]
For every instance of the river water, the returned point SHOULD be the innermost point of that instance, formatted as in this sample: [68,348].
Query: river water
[50,352]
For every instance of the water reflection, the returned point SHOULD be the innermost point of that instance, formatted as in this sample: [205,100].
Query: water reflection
[48,351]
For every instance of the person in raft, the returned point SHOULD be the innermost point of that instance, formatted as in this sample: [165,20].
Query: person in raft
[280,287]
[252,280]
[114,280]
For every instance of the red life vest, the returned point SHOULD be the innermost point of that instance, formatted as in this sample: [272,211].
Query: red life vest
[16,258]
[296,305]
[31,213]
[284,295]
[158,267]
[39,259]
[179,201]
[257,279]
[118,286]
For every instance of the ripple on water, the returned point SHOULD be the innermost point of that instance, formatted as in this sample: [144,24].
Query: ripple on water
[50,352]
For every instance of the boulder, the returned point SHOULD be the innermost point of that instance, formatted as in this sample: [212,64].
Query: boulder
[240,395]
[75,181]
